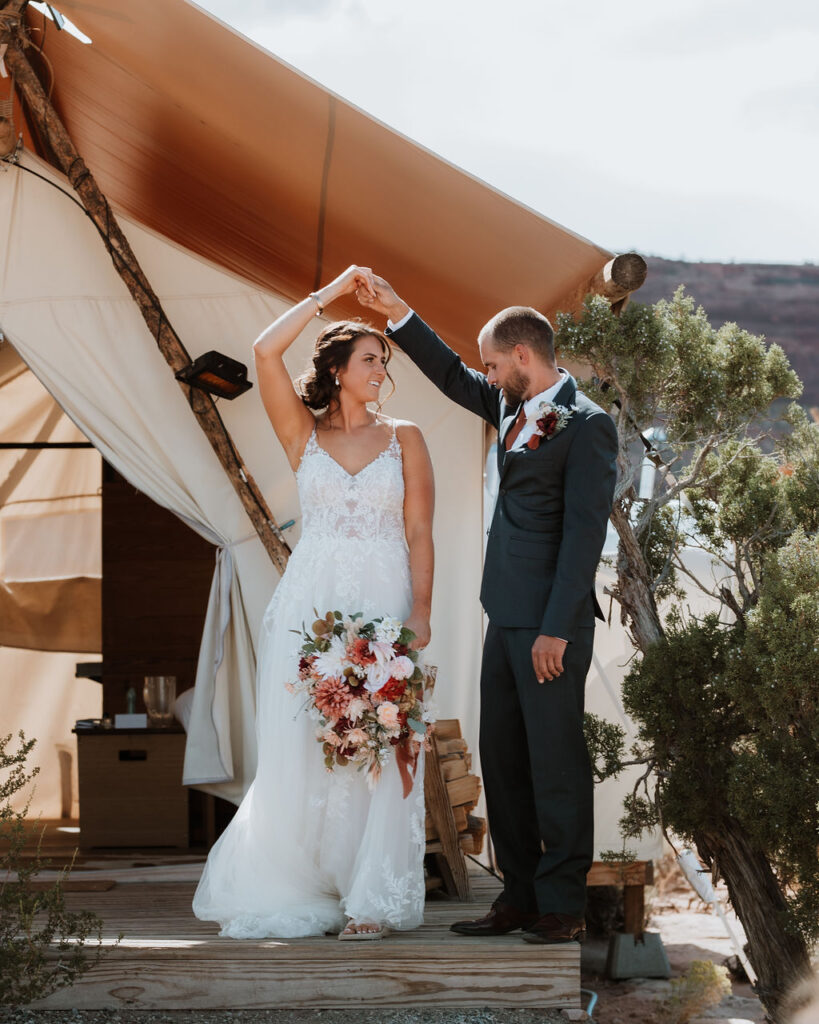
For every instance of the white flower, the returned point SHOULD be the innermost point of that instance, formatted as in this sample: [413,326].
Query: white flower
[402,667]
[351,627]
[330,663]
[430,713]
[388,630]
[377,676]
[356,708]
[382,649]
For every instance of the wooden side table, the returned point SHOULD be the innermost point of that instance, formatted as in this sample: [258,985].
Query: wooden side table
[131,791]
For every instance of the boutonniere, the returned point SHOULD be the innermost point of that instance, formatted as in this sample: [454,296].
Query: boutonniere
[549,419]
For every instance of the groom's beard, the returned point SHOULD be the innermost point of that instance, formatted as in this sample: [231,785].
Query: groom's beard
[515,387]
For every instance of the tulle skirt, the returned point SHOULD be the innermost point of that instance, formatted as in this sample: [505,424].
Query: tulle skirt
[307,847]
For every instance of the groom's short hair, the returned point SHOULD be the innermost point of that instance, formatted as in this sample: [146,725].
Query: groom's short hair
[522,325]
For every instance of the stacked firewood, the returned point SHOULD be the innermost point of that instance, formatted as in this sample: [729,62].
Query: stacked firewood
[462,789]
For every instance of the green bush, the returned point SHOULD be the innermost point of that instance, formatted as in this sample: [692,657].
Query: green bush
[43,946]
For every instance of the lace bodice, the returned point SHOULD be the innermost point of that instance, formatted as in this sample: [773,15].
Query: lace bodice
[368,505]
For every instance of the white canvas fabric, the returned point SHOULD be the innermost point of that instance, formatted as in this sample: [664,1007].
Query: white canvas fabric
[70,317]
[50,550]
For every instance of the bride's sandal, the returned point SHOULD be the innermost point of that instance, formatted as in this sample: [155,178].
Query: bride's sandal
[352,934]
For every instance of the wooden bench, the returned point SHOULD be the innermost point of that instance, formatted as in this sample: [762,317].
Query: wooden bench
[633,876]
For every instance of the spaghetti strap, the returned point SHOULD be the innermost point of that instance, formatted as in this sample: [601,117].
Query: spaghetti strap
[310,443]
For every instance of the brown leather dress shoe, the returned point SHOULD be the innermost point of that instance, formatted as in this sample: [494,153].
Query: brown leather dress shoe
[501,919]
[552,928]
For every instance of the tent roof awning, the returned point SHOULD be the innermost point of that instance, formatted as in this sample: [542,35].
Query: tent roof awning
[216,144]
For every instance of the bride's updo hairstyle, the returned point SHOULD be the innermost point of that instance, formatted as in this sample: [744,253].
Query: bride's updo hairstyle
[334,346]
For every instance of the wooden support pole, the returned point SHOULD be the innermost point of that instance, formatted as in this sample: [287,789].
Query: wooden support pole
[615,282]
[620,277]
[97,206]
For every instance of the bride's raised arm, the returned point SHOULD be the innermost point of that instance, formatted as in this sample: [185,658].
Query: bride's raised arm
[291,418]
[419,501]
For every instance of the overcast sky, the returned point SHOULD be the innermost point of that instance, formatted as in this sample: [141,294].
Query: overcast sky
[687,130]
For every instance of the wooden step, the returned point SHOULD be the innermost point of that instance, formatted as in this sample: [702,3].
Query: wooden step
[168,960]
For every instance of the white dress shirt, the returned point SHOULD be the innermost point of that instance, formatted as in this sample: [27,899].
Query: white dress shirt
[532,409]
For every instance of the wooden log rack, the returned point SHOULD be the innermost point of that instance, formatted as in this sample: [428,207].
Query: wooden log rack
[451,793]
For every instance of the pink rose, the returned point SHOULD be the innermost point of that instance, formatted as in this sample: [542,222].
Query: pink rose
[402,667]
[388,715]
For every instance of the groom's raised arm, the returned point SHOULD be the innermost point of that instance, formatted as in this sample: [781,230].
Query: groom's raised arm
[445,368]
[433,357]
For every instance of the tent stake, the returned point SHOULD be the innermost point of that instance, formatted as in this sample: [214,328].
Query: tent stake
[127,266]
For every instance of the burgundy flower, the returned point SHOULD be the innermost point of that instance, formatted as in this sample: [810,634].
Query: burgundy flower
[547,424]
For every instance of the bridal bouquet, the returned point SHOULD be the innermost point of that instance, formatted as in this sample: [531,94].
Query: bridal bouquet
[365,690]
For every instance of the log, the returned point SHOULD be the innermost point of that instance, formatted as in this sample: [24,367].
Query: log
[127,266]
[477,829]
[449,747]
[619,277]
[453,768]
[465,790]
[615,282]
[448,729]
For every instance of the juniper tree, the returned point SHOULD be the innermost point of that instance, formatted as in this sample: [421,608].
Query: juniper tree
[727,701]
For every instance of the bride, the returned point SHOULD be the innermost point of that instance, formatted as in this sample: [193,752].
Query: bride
[309,848]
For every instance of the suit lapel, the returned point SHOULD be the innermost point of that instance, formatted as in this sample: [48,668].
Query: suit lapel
[565,396]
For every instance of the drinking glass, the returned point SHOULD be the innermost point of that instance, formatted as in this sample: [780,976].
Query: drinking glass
[159,694]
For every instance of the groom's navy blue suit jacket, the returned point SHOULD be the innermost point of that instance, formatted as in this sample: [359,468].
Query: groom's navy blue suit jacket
[553,503]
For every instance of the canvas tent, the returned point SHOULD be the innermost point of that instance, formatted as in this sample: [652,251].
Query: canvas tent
[228,244]
[50,564]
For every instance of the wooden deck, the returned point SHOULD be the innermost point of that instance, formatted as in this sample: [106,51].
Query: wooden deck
[170,960]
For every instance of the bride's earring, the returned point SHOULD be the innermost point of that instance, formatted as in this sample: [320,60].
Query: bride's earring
[337,383]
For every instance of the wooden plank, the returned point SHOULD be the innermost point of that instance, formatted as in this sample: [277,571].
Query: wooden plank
[74,884]
[459,815]
[549,979]
[634,910]
[439,805]
[639,872]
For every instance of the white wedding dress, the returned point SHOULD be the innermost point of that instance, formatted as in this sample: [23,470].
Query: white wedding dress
[307,847]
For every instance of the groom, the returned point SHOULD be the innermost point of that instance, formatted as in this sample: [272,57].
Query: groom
[557,455]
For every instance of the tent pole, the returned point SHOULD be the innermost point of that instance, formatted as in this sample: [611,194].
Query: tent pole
[12,32]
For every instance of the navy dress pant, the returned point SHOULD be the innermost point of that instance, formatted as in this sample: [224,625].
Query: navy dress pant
[536,772]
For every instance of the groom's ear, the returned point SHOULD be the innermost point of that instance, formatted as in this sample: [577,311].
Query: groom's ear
[523,354]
